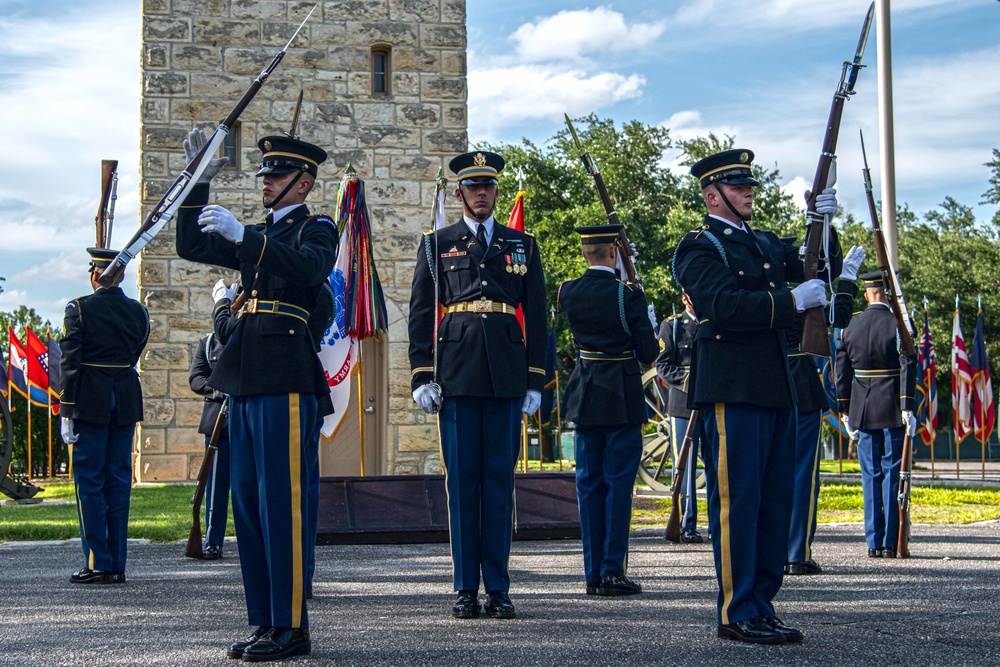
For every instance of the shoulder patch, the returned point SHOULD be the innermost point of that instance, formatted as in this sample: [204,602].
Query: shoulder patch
[323,218]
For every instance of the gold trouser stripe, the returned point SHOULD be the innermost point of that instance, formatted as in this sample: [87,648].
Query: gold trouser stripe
[447,495]
[812,496]
[725,554]
[79,511]
[295,471]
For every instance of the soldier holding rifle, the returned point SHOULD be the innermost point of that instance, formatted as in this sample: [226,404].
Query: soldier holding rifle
[613,330]
[737,279]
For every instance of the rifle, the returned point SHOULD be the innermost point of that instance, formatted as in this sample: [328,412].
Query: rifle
[181,188]
[674,521]
[903,499]
[814,339]
[624,247]
[193,549]
[105,207]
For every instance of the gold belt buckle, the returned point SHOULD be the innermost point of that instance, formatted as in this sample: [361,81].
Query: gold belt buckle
[482,306]
[251,306]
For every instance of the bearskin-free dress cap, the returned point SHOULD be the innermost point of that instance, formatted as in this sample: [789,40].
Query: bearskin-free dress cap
[282,155]
[872,279]
[101,258]
[731,167]
[477,167]
[598,234]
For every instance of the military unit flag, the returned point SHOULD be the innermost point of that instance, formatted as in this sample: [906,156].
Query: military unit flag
[961,382]
[983,415]
[927,407]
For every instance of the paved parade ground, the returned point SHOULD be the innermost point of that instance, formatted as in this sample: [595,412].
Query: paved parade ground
[390,605]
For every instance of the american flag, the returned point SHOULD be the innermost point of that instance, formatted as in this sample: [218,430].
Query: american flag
[927,410]
[961,383]
[983,416]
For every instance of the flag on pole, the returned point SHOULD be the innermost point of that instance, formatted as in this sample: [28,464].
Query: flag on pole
[38,361]
[961,382]
[19,372]
[927,403]
[548,404]
[983,416]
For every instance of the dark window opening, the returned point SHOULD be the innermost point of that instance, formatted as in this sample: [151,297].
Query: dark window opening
[231,148]
[380,71]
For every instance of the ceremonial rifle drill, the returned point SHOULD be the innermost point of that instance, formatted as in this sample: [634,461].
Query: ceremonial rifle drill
[904,329]
[815,339]
[181,188]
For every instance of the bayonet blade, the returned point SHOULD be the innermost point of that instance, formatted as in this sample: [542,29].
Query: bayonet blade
[864,155]
[296,33]
[865,29]
[295,117]
[572,130]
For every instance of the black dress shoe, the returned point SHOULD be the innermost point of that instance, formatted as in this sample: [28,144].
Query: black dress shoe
[691,536]
[618,585]
[212,552]
[236,650]
[753,631]
[874,553]
[498,605]
[791,635]
[466,606]
[888,553]
[592,588]
[118,577]
[278,644]
[88,576]
[805,567]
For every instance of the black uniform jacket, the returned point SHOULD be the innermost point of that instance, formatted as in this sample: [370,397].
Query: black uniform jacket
[673,364]
[268,353]
[104,334]
[737,281]
[608,390]
[201,368]
[805,375]
[875,381]
[480,353]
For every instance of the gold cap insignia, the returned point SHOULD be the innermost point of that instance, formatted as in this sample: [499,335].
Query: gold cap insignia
[744,157]
[267,145]
[479,160]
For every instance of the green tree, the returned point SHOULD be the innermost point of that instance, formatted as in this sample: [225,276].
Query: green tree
[992,196]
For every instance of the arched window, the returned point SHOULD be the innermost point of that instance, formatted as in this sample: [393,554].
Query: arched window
[381,73]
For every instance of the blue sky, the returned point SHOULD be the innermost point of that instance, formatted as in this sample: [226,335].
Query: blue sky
[763,71]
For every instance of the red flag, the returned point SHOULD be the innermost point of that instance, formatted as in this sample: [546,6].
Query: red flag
[516,221]
[961,383]
[982,388]
[38,355]
[927,385]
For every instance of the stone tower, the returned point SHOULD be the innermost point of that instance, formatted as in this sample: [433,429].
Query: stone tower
[384,89]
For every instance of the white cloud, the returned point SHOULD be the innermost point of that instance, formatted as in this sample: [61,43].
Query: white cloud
[576,34]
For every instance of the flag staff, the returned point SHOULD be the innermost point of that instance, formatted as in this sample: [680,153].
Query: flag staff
[955,422]
[927,389]
[982,404]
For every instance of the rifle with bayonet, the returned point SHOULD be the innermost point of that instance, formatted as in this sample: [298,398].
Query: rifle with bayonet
[624,247]
[673,533]
[193,548]
[106,206]
[815,339]
[182,186]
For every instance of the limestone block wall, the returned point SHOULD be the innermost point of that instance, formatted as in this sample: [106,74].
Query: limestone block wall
[198,58]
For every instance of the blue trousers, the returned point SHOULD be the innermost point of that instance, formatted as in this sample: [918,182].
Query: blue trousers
[880,453]
[217,492]
[607,459]
[275,455]
[748,471]
[102,470]
[802,529]
[480,439]
[689,493]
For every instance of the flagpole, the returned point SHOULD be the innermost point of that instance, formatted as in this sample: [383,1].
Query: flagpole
[840,448]
[524,443]
[559,422]
[28,402]
[361,409]
[52,471]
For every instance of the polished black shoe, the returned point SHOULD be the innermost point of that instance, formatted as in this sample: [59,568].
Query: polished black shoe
[236,650]
[618,585]
[791,635]
[88,576]
[278,644]
[592,588]
[691,536]
[466,606]
[874,553]
[498,605]
[805,567]
[212,552]
[753,631]
[888,553]
[118,577]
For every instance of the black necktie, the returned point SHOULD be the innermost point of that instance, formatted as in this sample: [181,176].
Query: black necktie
[481,237]
[269,219]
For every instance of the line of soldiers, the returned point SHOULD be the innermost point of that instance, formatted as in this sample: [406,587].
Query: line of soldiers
[478,370]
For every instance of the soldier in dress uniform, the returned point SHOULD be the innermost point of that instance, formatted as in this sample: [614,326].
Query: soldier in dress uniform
[811,401]
[206,357]
[737,279]
[613,330]
[673,366]
[104,334]
[271,370]
[876,386]
[485,373]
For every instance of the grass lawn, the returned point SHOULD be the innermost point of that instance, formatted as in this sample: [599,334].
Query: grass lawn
[162,513]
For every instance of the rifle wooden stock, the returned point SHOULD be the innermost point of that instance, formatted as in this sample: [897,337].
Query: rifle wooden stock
[193,549]
[673,533]
[905,486]
[108,169]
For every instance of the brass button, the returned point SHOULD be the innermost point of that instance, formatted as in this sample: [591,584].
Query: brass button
[741,273]
[482,266]
[484,316]
[771,284]
[441,338]
[485,283]
[253,293]
[291,331]
[767,265]
[452,267]
[718,336]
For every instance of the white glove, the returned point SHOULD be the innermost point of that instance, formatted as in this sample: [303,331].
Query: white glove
[635,252]
[532,400]
[810,294]
[852,433]
[826,201]
[192,145]
[652,316]
[215,218]
[910,422]
[220,291]
[428,398]
[852,262]
[69,436]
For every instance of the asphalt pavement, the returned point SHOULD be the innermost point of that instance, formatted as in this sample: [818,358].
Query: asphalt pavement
[390,605]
